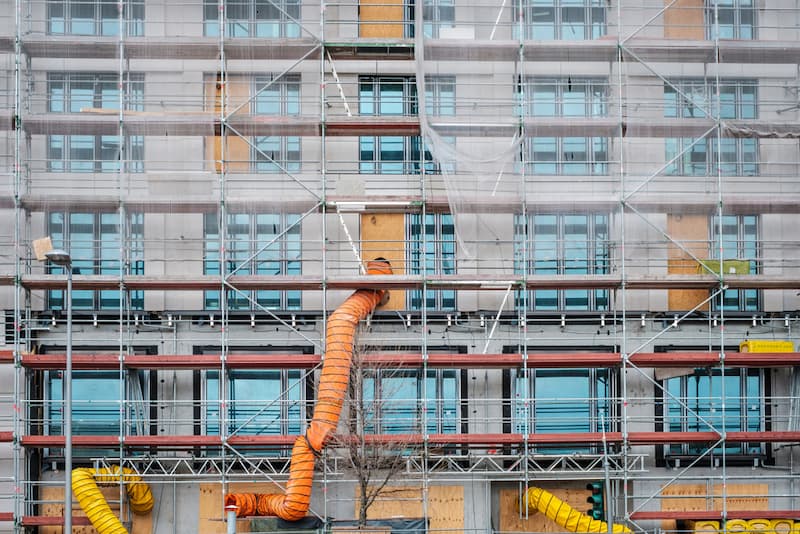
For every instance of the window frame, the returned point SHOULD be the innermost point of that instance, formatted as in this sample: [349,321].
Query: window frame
[287,21]
[560,156]
[737,10]
[146,414]
[524,13]
[441,257]
[133,17]
[511,379]
[668,454]
[305,386]
[378,416]
[64,96]
[748,243]
[290,224]
[595,101]
[91,256]
[598,258]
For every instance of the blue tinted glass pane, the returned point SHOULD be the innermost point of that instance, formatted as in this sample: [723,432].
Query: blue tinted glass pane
[544,100]
[575,156]
[390,98]
[399,398]
[575,100]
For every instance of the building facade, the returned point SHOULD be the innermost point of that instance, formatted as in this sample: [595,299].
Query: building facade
[590,209]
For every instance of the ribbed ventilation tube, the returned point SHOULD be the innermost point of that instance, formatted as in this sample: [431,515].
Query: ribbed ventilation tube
[334,378]
[85,488]
[565,515]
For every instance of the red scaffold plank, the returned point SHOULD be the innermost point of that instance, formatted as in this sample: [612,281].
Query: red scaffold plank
[535,360]
[52,521]
[636,438]
[6,516]
[6,436]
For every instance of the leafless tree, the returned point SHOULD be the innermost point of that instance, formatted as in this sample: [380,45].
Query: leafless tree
[374,463]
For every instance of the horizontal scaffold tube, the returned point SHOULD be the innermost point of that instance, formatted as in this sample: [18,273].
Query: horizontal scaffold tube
[85,488]
[334,378]
[565,515]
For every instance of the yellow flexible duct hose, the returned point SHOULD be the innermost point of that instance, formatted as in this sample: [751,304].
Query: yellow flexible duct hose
[85,488]
[565,515]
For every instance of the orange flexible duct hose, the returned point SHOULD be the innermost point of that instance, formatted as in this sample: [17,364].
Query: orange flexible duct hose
[565,515]
[85,489]
[334,378]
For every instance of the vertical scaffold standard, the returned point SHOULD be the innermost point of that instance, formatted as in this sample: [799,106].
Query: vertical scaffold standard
[334,378]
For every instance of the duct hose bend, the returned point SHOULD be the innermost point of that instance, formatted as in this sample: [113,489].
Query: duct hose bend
[85,488]
[565,515]
[334,377]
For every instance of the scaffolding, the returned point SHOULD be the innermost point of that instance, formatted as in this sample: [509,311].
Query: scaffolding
[573,194]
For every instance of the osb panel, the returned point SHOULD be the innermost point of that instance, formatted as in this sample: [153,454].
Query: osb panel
[382,13]
[684,19]
[510,520]
[211,514]
[142,524]
[445,505]
[691,231]
[383,236]
[237,150]
[743,497]
[696,498]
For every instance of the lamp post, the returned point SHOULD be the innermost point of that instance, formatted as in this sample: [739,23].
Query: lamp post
[62,258]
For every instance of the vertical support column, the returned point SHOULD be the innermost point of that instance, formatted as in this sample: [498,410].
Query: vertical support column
[623,371]
[20,254]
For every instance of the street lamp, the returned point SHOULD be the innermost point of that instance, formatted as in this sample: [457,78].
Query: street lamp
[62,258]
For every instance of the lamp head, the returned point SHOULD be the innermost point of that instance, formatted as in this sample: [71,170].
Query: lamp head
[58,256]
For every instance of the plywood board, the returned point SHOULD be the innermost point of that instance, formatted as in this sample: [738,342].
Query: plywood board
[445,505]
[383,236]
[211,514]
[691,231]
[237,151]
[512,521]
[698,498]
[376,18]
[141,524]
[684,19]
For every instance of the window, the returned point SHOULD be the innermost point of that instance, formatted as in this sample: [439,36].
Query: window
[566,156]
[74,92]
[737,19]
[394,401]
[554,401]
[277,96]
[739,240]
[564,97]
[438,255]
[254,18]
[736,157]
[698,99]
[96,402]
[563,244]
[95,17]
[387,96]
[436,14]
[262,244]
[260,402]
[94,241]
[570,20]
[440,95]
[691,98]
[693,403]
